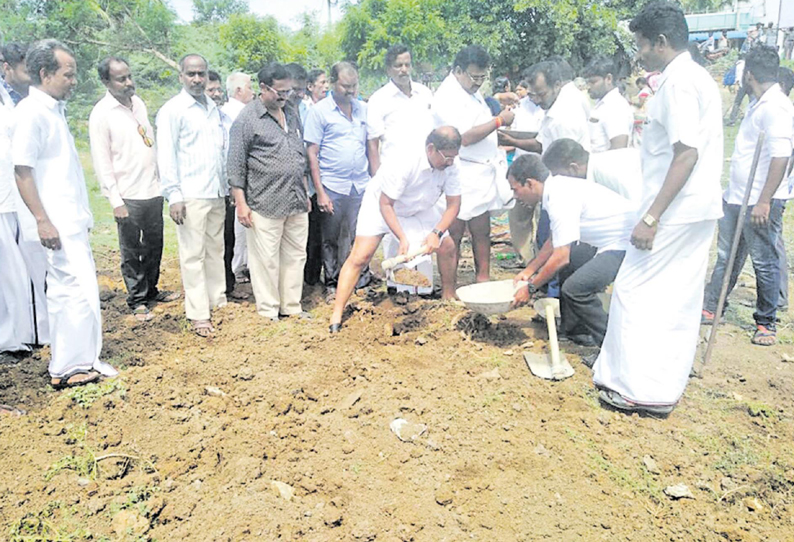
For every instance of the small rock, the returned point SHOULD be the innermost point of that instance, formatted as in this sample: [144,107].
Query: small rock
[245,373]
[650,464]
[785,358]
[129,522]
[214,392]
[285,491]
[540,449]
[753,504]
[350,400]
[490,375]
[407,431]
[421,340]
[444,496]
[333,518]
[727,484]
[516,407]
[83,482]
[678,491]
[508,352]
[106,295]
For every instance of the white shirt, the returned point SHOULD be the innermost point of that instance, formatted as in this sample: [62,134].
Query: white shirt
[580,210]
[453,106]
[572,92]
[611,117]
[7,180]
[125,167]
[528,118]
[413,184]
[397,119]
[232,108]
[190,149]
[772,113]
[686,108]
[42,141]
[620,170]
[566,118]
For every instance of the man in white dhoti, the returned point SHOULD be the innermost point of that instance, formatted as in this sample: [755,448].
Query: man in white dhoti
[654,315]
[585,218]
[458,103]
[398,115]
[402,200]
[50,181]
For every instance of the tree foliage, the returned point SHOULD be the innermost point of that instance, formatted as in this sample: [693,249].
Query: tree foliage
[251,41]
[217,11]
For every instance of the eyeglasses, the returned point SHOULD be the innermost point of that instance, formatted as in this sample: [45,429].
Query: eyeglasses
[449,160]
[149,142]
[281,93]
[477,78]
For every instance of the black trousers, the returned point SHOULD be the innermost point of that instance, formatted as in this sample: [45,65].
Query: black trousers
[314,246]
[338,234]
[228,244]
[141,246]
[582,279]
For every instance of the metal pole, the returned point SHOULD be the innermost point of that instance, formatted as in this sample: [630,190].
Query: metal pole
[737,236]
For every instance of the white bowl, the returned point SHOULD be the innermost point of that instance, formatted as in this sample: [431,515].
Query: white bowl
[488,298]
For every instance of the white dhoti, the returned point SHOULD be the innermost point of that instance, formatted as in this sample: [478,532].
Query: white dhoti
[16,318]
[654,317]
[240,258]
[73,305]
[35,257]
[416,228]
[484,187]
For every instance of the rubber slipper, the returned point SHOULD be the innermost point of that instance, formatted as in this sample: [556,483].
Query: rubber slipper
[72,380]
[763,332]
[167,297]
[142,313]
[615,400]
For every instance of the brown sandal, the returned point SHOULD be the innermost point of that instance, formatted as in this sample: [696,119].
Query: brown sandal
[203,328]
[79,378]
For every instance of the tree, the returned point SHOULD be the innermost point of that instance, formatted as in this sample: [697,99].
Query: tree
[217,11]
[251,42]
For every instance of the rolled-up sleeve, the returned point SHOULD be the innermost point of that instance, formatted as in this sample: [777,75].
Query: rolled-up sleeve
[101,155]
[167,161]
[237,163]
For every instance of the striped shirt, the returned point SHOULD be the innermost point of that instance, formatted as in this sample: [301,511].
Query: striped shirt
[191,143]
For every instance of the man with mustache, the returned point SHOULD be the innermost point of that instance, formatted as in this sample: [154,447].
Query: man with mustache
[125,163]
[190,157]
[266,171]
[51,183]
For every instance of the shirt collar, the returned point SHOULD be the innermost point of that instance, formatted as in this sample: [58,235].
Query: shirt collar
[768,95]
[675,65]
[262,112]
[186,101]
[609,96]
[356,106]
[112,102]
[395,90]
[47,100]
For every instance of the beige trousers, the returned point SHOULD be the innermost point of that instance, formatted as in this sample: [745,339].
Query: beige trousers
[276,257]
[201,256]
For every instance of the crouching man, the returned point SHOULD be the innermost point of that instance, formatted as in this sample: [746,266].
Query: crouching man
[585,218]
[402,199]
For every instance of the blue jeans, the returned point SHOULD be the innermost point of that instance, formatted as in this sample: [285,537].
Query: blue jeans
[759,244]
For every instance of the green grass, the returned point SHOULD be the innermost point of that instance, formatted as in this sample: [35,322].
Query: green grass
[85,396]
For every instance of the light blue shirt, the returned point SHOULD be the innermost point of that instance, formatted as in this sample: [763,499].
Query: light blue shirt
[342,142]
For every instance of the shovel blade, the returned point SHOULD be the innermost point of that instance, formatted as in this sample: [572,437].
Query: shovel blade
[541,366]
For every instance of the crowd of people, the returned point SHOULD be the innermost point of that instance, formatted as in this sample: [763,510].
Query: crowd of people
[296,180]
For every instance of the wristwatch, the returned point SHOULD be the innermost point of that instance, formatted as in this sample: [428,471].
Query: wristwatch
[532,288]
[649,220]
[438,232]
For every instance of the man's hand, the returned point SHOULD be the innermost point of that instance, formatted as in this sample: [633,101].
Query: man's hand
[49,235]
[309,202]
[325,203]
[521,297]
[178,212]
[643,235]
[522,276]
[760,214]
[507,117]
[432,242]
[404,245]
[120,213]
[245,216]
[506,140]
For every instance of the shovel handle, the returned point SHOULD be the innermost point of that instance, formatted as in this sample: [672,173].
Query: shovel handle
[554,347]
[402,258]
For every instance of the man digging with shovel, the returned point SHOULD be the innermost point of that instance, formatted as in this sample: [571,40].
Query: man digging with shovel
[585,217]
[402,199]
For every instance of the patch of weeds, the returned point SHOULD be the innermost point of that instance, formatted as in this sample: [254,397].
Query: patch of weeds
[137,499]
[43,526]
[491,398]
[275,328]
[645,484]
[356,468]
[495,359]
[87,395]
[729,451]
[758,408]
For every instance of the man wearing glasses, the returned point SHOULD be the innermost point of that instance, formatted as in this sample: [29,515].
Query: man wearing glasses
[125,163]
[402,200]
[336,143]
[190,158]
[484,187]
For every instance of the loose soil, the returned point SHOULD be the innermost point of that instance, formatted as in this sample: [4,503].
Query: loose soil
[187,442]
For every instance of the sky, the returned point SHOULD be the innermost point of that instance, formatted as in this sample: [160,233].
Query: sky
[286,11]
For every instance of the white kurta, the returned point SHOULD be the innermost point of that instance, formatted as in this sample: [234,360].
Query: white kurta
[232,108]
[16,323]
[483,167]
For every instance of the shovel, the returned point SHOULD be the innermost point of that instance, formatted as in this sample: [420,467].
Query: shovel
[551,366]
[388,265]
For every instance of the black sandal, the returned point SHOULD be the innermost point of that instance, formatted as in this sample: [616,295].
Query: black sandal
[63,382]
